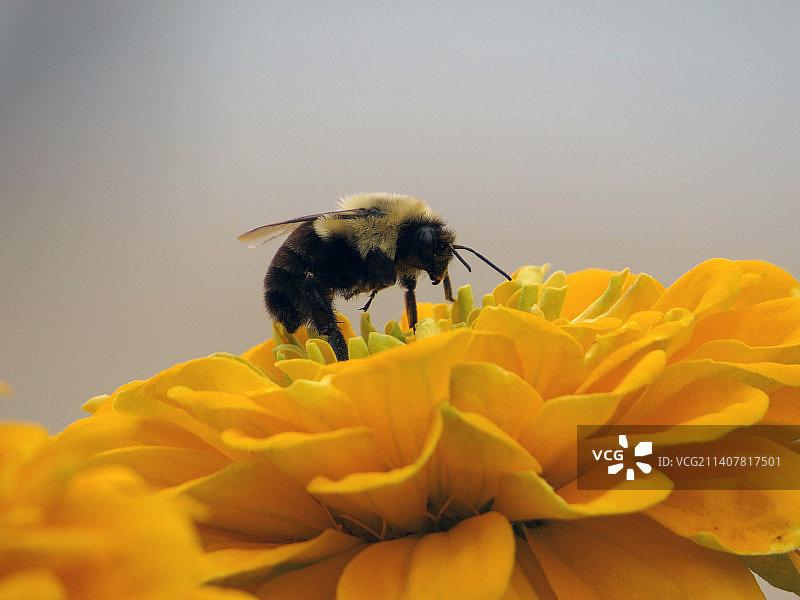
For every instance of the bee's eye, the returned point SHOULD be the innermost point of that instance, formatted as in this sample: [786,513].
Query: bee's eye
[425,245]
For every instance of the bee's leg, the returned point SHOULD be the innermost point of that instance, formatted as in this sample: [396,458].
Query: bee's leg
[324,318]
[410,283]
[338,343]
[448,288]
[371,296]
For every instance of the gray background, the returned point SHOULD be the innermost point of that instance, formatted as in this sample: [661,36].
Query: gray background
[139,139]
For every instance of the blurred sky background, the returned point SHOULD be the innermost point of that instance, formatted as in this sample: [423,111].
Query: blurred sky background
[140,138]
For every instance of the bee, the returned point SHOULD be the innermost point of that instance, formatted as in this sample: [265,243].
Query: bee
[372,242]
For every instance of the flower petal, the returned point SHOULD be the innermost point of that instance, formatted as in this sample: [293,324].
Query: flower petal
[784,407]
[470,459]
[552,436]
[333,454]
[223,410]
[257,499]
[528,581]
[773,326]
[263,357]
[583,288]
[32,584]
[474,560]
[746,521]
[396,498]
[552,360]
[617,558]
[300,368]
[499,395]
[698,393]
[709,287]
[164,466]
[526,495]
[237,566]
[316,581]
[407,404]
[763,281]
[309,406]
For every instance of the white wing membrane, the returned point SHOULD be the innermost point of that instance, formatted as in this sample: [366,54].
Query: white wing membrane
[261,235]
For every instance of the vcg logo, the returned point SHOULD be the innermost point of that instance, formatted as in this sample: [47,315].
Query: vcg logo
[618,457]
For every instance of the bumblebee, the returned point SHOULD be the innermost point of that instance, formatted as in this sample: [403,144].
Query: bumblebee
[372,242]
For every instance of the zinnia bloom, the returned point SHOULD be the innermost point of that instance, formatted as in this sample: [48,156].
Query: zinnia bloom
[70,531]
[442,464]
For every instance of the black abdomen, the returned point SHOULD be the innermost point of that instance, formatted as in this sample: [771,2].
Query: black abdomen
[304,265]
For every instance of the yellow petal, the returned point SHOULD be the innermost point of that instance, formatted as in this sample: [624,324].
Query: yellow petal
[151,399]
[602,305]
[747,521]
[470,459]
[551,437]
[767,282]
[317,581]
[698,393]
[223,410]
[379,342]
[503,292]
[396,498]
[321,350]
[237,566]
[263,357]
[31,584]
[617,366]
[398,391]
[709,287]
[210,592]
[528,581]
[499,395]
[164,466]
[257,499]
[774,323]
[583,288]
[224,373]
[784,407]
[497,349]
[144,544]
[779,363]
[474,560]
[309,406]
[300,368]
[19,443]
[552,361]
[639,296]
[526,495]
[631,557]
[333,454]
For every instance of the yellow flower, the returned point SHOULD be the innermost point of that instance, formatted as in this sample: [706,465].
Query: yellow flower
[67,531]
[442,463]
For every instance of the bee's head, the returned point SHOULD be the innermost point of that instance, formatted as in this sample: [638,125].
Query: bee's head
[434,246]
[428,246]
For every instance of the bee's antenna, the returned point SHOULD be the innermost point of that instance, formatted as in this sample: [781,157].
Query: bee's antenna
[463,262]
[482,257]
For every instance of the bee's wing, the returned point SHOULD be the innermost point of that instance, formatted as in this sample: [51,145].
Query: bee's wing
[265,233]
